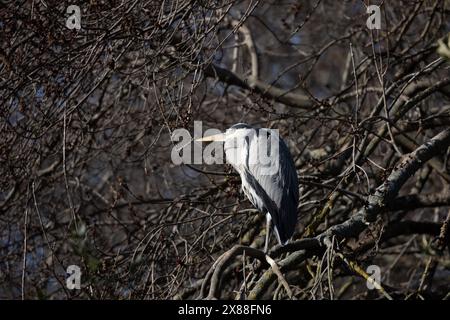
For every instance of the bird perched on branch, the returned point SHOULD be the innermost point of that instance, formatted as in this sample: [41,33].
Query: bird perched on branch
[268,175]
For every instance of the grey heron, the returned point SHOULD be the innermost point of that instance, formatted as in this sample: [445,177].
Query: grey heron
[271,186]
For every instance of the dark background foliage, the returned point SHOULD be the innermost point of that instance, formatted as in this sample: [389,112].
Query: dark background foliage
[86,176]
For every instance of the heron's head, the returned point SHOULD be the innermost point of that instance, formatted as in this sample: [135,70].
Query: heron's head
[236,141]
[238,132]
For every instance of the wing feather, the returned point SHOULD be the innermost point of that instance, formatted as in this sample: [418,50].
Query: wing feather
[275,193]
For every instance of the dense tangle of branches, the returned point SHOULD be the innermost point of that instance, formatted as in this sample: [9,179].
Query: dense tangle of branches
[86,176]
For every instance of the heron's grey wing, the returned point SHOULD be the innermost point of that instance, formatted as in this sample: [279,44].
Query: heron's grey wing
[278,192]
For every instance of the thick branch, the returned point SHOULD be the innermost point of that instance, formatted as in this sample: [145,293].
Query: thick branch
[296,100]
[387,192]
[377,203]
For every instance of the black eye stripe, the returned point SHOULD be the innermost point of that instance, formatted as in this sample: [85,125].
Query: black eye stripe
[241,126]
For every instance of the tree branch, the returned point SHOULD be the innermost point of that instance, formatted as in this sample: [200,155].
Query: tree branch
[296,100]
[377,203]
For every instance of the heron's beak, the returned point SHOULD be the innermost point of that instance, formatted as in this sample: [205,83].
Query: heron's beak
[215,137]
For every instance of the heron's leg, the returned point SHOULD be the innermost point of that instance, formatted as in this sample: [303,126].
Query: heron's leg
[268,221]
